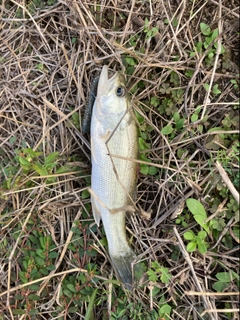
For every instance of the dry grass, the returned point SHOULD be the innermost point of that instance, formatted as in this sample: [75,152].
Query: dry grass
[49,57]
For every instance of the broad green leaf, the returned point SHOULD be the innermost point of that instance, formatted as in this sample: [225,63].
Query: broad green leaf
[206,86]
[167,130]
[194,117]
[189,235]
[34,287]
[51,158]
[202,248]
[214,34]
[40,261]
[202,234]
[40,169]
[40,253]
[67,293]
[52,255]
[152,171]
[24,163]
[225,276]
[71,287]
[165,310]
[34,297]
[198,211]
[180,123]
[205,29]
[176,116]
[191,246]
[85,194]
[166,276]
[219,286]
[143,168]
[142,144]
[215,89]
[155,291]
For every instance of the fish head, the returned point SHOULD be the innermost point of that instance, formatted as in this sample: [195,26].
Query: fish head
[112,97]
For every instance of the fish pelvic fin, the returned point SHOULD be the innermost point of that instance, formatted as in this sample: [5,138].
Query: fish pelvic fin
[124,267]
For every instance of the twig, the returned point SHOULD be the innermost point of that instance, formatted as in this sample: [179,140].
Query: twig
[228,182]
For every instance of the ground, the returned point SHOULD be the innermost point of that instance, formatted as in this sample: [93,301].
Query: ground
[181,61]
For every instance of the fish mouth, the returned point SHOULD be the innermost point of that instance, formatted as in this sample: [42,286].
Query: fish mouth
[113,81]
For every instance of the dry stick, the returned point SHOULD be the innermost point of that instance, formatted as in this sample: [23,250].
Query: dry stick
[228,182]
[46,278]
[219,310]
[34,22]
[187,258]
[211,294]
[128,22]
[229,11]
[218,52]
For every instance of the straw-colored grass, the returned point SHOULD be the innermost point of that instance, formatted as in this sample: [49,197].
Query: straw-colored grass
[49,55]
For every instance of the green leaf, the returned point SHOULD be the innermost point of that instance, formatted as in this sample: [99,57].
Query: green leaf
[34,297]
[71,287]
[53,255]
[166,276]
[155,291]
[198,211]
[85,194]
[206,86]
[219,286]
[225,276]
[67,293]
[167,130]
[34,287]
[202,248]
[191,246]
[143,168]
[214,34]
[194,117]
[40,253]
[215,89]
[40,169]
[40,261]
[152,171]
[51,158]
[180,123]
[176,116]
[152,276]
[189,235]
[165,310]
[90,309]
[202,234]
[205,29]
[18,311]
[24,163]
[131,61]
[142,144]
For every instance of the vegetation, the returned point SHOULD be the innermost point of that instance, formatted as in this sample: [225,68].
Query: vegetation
[181,65]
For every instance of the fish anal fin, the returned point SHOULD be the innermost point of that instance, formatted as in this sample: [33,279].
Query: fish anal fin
[96,212]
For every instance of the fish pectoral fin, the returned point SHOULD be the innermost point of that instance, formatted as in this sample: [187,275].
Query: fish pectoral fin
[96,211]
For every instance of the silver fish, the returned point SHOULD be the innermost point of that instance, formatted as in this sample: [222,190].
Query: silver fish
[114,132]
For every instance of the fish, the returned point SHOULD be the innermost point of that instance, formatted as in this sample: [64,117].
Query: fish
[113,180]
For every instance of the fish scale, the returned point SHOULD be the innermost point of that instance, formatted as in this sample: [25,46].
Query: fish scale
[114,132]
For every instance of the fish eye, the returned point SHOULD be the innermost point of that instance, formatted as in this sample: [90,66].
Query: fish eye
[120,92]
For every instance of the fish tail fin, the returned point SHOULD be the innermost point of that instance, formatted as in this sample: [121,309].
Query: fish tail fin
[124,267]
